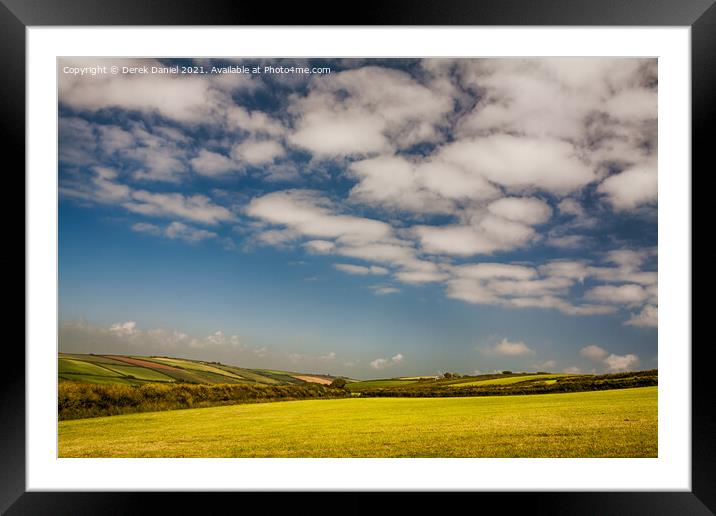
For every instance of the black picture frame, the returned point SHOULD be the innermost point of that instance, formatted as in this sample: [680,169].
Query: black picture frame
[17,15]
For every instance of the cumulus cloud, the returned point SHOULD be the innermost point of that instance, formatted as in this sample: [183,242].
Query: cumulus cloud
[448,166]
[631,188]
[383,363]
[189,98]
[511,349]
[311,214]
[617,363]
[622,294]
[124,329]
[521,163]
[527,210]
[647,317]
[548,286]
[614,363]
[257,152]
[594,352]
[209,163]
[367,110]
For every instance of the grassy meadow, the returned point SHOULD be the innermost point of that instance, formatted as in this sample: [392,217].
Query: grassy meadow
[611,423]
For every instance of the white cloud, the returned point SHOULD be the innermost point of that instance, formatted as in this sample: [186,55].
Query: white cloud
[489,235]
[187,233]
[278,237]
[210,164]
[257,152]
[198,208]
[521,163]
[328,134]
[185,98]
[125,329]
[422,187]
[623,294]
[359,269]
[366,110]
[631,188]
[383,290]
[648,317]
[507,348]
[565,269]
[594,352]
[570,207]
[613,363]
[420,276]
[311,214]
[616,363]
[494,270]
[253,122]
[382,363]
[527,210]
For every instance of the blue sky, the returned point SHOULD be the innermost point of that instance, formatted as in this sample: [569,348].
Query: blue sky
[379,218]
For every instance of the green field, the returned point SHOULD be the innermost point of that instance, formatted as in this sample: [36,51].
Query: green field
[510,380]
[66,366]
[613,423]
[140,373]
[374,384]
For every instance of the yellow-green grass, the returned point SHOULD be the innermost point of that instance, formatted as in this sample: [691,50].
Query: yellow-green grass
[508,381]
[140,373]
[375,384]
[615,423]
[65,366]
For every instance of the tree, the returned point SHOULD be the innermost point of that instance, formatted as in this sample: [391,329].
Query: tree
[338,383]
[506,372]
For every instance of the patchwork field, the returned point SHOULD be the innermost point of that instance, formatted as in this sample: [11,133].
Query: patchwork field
[463,381]
[509,380]
[140,370]
[612,423]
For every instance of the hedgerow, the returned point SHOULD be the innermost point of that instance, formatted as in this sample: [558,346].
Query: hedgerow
[81,400]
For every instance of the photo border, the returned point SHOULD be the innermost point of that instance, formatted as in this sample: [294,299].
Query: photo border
[700,15]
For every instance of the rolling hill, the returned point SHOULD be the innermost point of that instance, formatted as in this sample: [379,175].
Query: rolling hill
[139,370]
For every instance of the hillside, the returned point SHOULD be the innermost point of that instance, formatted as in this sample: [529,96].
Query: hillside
[139,370]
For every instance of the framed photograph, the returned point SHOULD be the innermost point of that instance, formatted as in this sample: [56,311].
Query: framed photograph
[429,251]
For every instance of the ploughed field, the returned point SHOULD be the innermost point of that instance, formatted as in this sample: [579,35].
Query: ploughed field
[604,423]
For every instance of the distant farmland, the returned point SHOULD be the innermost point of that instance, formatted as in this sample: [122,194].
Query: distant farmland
[140,370]
[612,423]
